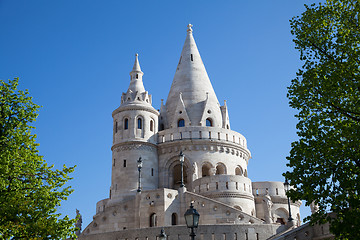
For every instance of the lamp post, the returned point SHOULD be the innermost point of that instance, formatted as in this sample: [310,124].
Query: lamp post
[181,158]
[192,220]
[139,165]
[287,188]
[162,235]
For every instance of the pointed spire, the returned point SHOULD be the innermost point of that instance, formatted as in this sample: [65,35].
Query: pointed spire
[136,67]
[192,80]
[136,83]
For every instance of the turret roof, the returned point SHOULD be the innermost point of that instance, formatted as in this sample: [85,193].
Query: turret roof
[136,83]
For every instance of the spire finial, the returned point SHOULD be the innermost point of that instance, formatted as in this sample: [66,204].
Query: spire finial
[189,28]
[136,64]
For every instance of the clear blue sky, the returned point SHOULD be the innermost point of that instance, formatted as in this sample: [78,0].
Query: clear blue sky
[75,58]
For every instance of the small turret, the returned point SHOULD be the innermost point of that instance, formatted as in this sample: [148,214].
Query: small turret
[135,128]
[225,116]
[136,83]
[136,92]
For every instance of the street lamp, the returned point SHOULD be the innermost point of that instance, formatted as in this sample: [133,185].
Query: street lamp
[162,235]
[287,188]
[139,165]
[192,220]
[181,158]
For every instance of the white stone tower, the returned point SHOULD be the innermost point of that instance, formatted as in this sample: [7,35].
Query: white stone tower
[215,166]
[135,128]
[192,120]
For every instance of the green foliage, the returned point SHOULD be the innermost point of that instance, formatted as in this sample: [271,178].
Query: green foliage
[30,190]
[325,161]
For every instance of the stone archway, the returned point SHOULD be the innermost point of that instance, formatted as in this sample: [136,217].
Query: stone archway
[176,173]
[173,173]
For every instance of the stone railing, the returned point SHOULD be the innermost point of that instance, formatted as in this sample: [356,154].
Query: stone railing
[222,183]
[212,133]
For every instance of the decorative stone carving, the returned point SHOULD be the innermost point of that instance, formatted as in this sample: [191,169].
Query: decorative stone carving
[267,207]
[314,207]
[78,222]
[213,171]
[195,171]
[128,147]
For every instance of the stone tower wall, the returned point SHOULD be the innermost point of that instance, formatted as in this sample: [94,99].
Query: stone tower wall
[129,144]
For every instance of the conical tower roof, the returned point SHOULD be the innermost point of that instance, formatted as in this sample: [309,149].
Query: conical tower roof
[136,83]
[192,81]
[136,93]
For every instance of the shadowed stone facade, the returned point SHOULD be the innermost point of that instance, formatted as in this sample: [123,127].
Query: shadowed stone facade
[215,166]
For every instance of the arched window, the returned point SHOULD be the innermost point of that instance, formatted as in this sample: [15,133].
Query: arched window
[126,123]
[174,219]
[245,173]
[151,125]
[153,220]
[220,169]
[139,123]
[208,122]
[181,123]
[205,170]
[238,171]
[227,126]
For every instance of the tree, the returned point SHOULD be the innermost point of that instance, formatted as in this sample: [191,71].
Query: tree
[325,161]
[30,190]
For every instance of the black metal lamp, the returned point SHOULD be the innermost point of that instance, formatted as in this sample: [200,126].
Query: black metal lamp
[287,188]
[192,220]
[139,165]
[162,235]
[182,158]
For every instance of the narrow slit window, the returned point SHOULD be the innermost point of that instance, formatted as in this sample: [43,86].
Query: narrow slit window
[191,56]
[124,164]
[114,162]
[126,123]
[139,123]
[137,76]
[151,125]
[152,172]
[116,126]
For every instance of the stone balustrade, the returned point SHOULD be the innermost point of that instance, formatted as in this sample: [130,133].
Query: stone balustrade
[222,184]
[211,133]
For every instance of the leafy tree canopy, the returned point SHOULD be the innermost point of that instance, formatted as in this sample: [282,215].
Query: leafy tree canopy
[30,190]
[325,161]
